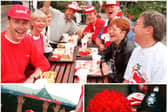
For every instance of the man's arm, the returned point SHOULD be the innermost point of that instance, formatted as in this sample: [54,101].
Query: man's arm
[56,108]
[47,4]
[62,110]
[99,44]
[38,60]
[79,33]
[105,68]
[75,30]
[36,74]
[45,106]
[20,100]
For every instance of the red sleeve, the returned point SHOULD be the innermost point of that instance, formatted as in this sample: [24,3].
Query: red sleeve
[88,28]
[37,58]
[99,24]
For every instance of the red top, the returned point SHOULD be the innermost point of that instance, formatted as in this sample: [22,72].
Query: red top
[96,28]
[119,15]
[107,43]
[15,58]
[39,43]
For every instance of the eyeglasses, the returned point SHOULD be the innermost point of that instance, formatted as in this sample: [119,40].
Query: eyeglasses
[114,29]
[137,22]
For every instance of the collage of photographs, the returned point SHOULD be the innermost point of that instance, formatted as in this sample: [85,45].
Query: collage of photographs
[84,56]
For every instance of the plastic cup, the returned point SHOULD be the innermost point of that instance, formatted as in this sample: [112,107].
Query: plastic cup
[65,37]
[95,51]
[84,43]
[82,74]
[89,35]
[75,37]
[105,37]
[96,61]
[69,48]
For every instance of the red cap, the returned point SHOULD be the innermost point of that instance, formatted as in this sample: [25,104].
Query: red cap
[19,12]
[135,98]
[90,9]
[72,6]
[111,2]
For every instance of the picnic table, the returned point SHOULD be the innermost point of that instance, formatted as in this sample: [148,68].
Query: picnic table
[66,74]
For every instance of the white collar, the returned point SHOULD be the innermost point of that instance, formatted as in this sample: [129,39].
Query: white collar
[106,22]
[11,40]
[36,37]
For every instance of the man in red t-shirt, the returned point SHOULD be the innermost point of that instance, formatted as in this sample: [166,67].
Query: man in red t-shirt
[18,50]
[112,9]
[95,23]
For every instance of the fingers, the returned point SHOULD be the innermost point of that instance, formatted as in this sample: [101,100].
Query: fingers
[105,68]
[63,110]
[37,73]
[20,99]
[45,105]
[56,108]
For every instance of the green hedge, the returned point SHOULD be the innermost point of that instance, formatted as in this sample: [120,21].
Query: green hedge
[136,8]
[142,6]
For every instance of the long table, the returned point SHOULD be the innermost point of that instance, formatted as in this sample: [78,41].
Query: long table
[65,73]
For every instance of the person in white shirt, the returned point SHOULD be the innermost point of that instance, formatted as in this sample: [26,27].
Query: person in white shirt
[148,62]
[62,23]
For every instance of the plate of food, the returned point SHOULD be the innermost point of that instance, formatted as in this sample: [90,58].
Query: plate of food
[62,55]
[49,76]
[87,64]
[87,52]
[61,45]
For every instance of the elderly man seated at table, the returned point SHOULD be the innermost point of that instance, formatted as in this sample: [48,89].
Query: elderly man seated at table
[113,11]
[118,52]
[61,23]
[95,23]
[148,62]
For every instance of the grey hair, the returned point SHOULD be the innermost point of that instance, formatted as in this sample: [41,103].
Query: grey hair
[157,21]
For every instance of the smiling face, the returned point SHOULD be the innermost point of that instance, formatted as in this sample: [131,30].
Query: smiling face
[69,13]
[112,11]
[17,29]
[39,24]
[91,17]
[116,34]
[139,30]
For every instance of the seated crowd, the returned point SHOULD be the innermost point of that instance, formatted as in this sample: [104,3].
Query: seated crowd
[131,53]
